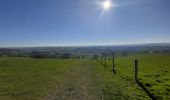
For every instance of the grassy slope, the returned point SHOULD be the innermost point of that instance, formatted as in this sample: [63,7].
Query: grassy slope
[154,72]
[23,78]
[118,87]
[35,79]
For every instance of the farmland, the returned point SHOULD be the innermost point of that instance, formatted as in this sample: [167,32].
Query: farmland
[84,49]
[154,72]
[84,79]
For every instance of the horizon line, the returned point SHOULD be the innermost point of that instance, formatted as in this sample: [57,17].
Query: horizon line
[95,45]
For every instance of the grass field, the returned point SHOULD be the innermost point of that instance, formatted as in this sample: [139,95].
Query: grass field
[23,78]
[154,72]
[76,79]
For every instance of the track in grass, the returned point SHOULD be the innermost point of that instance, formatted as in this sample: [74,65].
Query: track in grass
[52,79]
[79,84]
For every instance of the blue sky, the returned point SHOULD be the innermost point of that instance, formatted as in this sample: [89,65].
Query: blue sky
[78,22]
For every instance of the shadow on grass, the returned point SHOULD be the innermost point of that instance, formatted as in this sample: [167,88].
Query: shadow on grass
[144,88]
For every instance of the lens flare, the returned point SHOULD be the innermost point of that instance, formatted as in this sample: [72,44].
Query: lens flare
[107,4]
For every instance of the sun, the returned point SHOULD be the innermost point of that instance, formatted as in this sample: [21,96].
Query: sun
[107,4]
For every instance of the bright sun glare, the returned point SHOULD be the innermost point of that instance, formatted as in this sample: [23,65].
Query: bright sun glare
[107,4]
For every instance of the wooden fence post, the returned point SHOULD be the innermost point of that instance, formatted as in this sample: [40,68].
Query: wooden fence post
[101,59]
[136,70]
[105,60]
[113,62]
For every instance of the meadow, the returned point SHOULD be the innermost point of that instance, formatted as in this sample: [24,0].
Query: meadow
[24,78]
[154,72]
[27,78]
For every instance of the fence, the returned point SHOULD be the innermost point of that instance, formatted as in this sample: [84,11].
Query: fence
[136,70]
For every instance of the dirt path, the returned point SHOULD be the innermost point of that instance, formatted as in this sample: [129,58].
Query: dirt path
[80,84]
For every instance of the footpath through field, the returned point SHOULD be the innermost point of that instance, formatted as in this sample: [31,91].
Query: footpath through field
[67,79]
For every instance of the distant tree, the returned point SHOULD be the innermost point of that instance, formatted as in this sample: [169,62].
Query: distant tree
[165,51]
[95,56]
[156,51]
[35,54]
[56,54]
[124,53]
[83,57]
[78,57]
[66,56]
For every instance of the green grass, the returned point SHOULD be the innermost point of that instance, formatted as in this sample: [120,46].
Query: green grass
[117,87]
[23,78]
[39,79]
[154,72]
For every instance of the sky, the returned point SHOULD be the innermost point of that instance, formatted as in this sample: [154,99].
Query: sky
[82,22]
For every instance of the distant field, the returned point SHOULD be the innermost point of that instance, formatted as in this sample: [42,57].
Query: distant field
[57,79]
